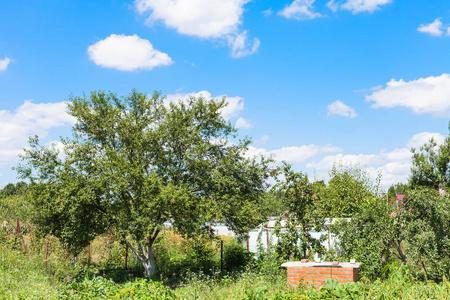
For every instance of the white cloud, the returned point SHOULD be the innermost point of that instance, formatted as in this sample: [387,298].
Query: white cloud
[395,165]
[424,95]
[240,46]
[371,89]
[422,138]
[300,10]
[360,159]
[295,153]
[201,18]
[242,123]
[357,6]
[127,53]
[340,109]
[208,19]
[392,171]
[234,104]
[4,63]
[268,12]
[436,28]
[402,154]
[29,119]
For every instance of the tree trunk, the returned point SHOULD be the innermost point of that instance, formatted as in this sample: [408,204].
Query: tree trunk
[149,264]
[145,256]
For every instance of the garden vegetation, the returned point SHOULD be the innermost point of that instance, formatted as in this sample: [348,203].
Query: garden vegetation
[134,163]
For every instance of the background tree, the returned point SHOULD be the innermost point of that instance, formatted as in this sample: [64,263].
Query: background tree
[12,189]
[372,236]
[272,204]
[425,219]
[430,165]
[302,216]
[134,163]
[348,189]
[398,189]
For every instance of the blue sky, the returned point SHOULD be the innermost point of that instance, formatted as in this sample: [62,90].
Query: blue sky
[312,82]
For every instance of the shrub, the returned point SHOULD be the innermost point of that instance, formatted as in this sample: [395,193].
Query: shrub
[235,257]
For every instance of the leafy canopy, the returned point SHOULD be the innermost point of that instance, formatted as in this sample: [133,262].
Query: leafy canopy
[430,165]
[136,162]
[301,201]
[349,188]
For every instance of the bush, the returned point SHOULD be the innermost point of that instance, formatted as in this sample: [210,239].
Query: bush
[235,257]
[176,256]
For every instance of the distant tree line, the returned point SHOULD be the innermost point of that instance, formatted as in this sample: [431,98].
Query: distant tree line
[12,189]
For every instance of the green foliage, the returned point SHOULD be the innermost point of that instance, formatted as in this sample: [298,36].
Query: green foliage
[21,277]
[398,189]
[15,207]
[235,257]
[295,240]
[369,236]
[134,163]
[177,255]
[430,165]
[95,287]
[12,189]
[349,188]
[272,204]
[426,230]
[417,233]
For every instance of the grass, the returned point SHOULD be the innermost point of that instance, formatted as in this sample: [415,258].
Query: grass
[21,277]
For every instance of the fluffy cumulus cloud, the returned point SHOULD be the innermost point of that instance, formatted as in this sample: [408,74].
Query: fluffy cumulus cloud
[242,123]
[127,53]
[208,19]
[425,95]
[394,166]
[240,45]
[436,28]
[4,63]
[300,10]
[357,6]
[295,153]
[340,109]
[421,138]
[29,119]
[327,162]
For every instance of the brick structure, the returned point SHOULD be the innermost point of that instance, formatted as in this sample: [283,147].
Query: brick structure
[318,272]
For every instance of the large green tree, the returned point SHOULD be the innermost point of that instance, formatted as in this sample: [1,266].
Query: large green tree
[348,189]
[136,162]
[301,201]
[430,165]
[417,233]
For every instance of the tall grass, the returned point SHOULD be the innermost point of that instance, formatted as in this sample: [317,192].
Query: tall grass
[21,277]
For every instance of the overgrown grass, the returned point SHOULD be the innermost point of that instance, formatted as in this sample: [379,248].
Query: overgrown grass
[21,277]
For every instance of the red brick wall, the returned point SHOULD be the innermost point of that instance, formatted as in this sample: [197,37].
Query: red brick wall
[318,275]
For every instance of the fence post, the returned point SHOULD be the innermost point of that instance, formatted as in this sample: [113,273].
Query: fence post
[210,234]
[221,256]
[45,259]
[267,238]
[19,231]
[248,241]
[126,256]
[89,255]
